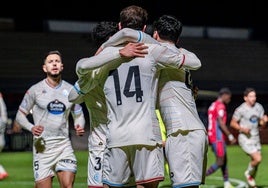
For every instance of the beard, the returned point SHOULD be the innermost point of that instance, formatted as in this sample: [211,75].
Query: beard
[57,75]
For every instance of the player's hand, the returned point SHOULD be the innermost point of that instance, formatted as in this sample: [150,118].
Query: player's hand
[37,130]
[233,141]
[264,120]
[245,131]
[134,50]
[79,130]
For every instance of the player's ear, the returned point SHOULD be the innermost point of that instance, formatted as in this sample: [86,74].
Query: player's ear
[119,26]
[155,35]
[44,68]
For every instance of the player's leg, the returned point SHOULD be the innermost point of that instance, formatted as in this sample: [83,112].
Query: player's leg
[254,163]
[253,150]
[43,174]
[66,166]
[44,183]
[219,150]
[2,141]
[66,179]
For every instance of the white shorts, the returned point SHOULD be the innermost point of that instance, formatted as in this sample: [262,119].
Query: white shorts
[249,146]
[95,163]
[186,154]
[145,163]
[58,156]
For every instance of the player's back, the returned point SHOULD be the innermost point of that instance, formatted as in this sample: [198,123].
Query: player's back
[176,100]
[130,92]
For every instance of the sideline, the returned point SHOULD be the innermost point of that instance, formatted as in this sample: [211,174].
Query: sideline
[239,183]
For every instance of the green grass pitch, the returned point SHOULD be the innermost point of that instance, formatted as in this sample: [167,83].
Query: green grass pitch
[19,167]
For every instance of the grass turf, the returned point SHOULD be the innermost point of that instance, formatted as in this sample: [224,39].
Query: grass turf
[19,167]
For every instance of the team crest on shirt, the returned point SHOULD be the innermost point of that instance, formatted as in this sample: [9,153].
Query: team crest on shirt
[254,119]
[65,92]
[56,107]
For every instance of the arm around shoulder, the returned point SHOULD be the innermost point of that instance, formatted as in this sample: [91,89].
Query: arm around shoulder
[191,61]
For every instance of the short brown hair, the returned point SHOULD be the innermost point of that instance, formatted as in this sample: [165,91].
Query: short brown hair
[248,90]
[134,17]
[52,52]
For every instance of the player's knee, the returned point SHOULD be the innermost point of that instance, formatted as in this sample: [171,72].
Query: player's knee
[258,159]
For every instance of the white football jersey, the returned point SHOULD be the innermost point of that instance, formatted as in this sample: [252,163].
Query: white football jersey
[50,108]
[176,101]
[248,117]
[131,91]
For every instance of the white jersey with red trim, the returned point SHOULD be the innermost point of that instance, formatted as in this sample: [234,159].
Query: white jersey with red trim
[50,108]
[176,101]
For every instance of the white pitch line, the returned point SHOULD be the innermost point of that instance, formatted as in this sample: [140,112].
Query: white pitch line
[240,183]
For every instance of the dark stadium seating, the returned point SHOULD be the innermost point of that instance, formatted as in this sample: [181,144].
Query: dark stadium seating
[234,63]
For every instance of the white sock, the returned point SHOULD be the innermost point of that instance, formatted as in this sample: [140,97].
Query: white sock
[251,169]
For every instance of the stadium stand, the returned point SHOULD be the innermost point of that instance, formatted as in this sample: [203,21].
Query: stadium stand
[235,63]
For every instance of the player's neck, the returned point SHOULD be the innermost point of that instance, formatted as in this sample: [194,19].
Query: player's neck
[53,82]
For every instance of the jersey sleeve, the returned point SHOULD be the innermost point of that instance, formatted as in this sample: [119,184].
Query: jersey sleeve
[220,110]
[78,115]
[27,101]
[261,110]
[85,65]
[192,62]
[165,57]
[128,35]
[25,108]
[237,115]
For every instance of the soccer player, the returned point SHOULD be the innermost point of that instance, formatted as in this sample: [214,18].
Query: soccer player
[130,91]
[218,132]
[48,102]
[178,108]
[3,123]
[246,119]
[96,106]
[186,144]
[95,103]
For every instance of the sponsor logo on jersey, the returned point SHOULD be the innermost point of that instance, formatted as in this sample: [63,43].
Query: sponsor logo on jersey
[253,119]
[56,107]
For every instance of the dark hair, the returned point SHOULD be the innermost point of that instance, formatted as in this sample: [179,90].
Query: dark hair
[168,27]
[248,90]
[225,90]
[103,30]
[52,52]
[134,17]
